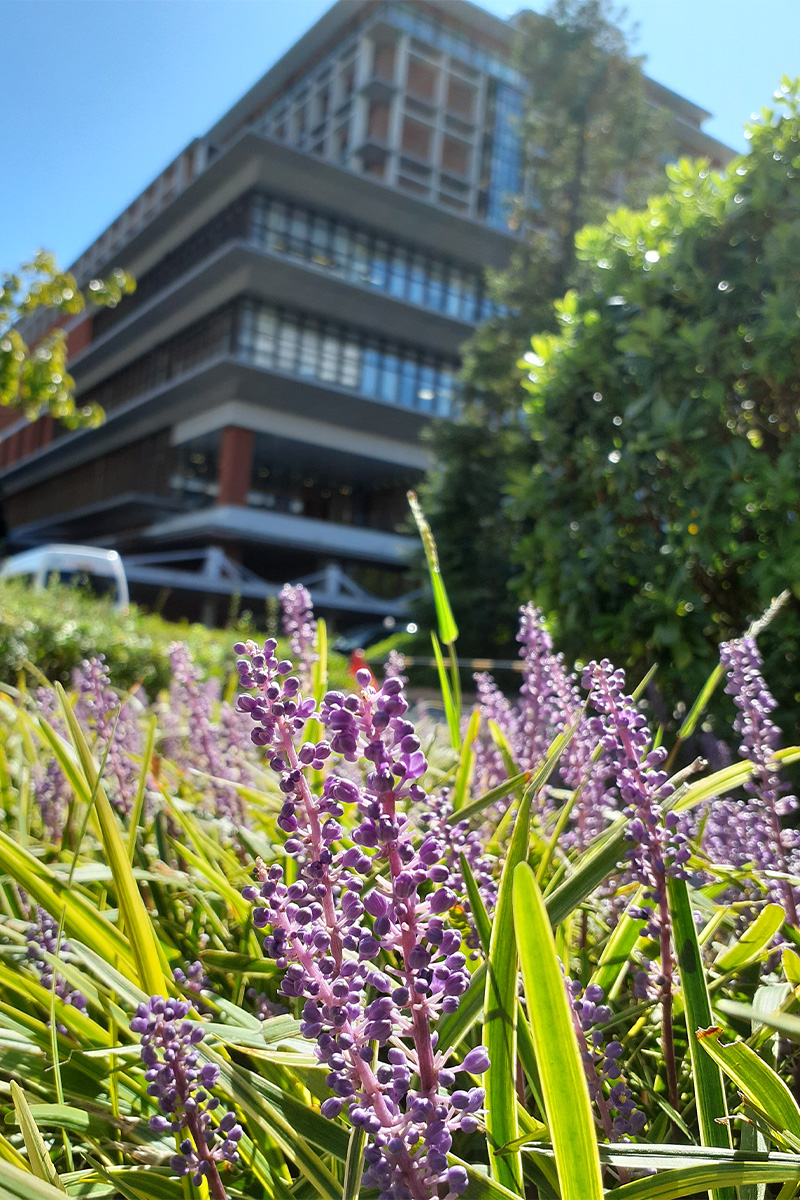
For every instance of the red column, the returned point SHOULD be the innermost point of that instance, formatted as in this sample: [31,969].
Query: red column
[235,465]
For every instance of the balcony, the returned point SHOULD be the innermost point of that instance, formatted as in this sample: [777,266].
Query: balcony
[236,523]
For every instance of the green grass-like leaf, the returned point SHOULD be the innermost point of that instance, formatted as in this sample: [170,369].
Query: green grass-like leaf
[706,1076]
[564,1089]
[762,1087]
[150,961]
[500,1015]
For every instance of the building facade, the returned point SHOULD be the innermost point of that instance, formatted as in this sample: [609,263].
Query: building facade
[307,272]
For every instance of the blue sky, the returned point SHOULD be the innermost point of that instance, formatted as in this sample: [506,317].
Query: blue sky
[102,94]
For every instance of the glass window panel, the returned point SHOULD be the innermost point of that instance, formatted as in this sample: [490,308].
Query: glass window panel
[277,223]
[309,351]
[259,216]
[426,387]
[329,358]
[263,351]
[379,265]
[398,273]
[288,341]
[416,285]
[298,233]
[444,392]
[341,247]
[453,293]
[469,296]
[390,377]
[359,266]
[320,236]
[350,365]
[408,383]
[434,297]
[370,370]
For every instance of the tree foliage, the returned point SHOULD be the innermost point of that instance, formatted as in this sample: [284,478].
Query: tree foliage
[662,504]
[34,379]
[590,139]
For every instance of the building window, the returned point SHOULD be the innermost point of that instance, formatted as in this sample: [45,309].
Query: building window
[417,139]
[421,79]
[455,156]
[386,372]
[460,98]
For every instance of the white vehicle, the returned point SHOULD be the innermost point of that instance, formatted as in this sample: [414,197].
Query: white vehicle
[102,569]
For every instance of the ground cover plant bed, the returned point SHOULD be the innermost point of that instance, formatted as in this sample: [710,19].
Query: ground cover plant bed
[285,939]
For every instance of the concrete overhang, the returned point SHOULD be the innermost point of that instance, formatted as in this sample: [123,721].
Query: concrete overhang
[209,385]
[239,268]
[237,523]
[257,161]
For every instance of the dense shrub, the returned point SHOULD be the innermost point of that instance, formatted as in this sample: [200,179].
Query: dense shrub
[56,627]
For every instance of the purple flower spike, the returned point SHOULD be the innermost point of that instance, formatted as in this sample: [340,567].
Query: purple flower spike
[751,832]
[300,627]
[178,1081]
[373,967]
[618,1115]
[198,744]
[660,843]
[41,936]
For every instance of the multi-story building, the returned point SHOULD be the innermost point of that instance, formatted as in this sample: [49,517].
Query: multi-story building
[307,272]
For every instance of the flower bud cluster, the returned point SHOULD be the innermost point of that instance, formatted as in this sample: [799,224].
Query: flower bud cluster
[51,787]
[660,844]
[460,839]
[372,965]
[300,627]
[195,742]
[117,736]
[181,1084]
[490,768]
[549,704]
[619,1116]
[42,938]
[193,978]
[752,832]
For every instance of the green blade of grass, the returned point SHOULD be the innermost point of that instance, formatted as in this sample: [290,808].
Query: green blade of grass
[690,1181]
[755,940]
[320,670]
[41,1163]
[500,1016]
[617,950]
[450,707]
[138,804]
[466,762]
[563,1081]
[448,630]
[706,1075]
[53,893]
[16,1184]
[762,1087]
[480,917]
[498,793]
[151,965]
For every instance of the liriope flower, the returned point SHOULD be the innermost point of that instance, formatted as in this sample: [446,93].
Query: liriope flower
[373,965]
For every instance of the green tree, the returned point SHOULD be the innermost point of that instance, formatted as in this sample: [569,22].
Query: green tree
[34,380]
[590,138]
[662,506]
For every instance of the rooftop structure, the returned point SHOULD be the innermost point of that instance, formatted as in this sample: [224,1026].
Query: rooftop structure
[307,272]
